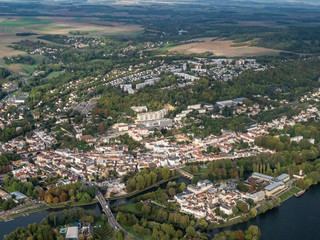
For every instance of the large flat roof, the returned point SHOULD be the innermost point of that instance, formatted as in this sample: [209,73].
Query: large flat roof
[262,176]
[72,232]
[273,186]
[18,195]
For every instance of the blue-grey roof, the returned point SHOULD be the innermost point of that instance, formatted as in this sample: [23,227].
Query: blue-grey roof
[18,195]
[238,99]
[262,176]
[273,186]
[282,177]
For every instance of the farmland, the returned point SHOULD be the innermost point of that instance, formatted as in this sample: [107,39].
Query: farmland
[11,26]
[225,48]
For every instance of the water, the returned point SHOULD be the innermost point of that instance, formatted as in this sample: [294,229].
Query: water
[7,227]
[295,219]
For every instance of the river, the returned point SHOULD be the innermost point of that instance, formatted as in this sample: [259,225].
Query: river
[7,227]
[295,219]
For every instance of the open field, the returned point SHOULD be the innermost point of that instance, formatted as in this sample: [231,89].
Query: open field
[222,48]
[10,26]
[288,194]
[23,69]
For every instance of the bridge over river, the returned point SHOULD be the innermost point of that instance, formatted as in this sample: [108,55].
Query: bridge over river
[112,221]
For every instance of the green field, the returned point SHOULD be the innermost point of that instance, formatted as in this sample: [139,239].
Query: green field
[167,47]
[55,74]
[48,28]
[290,193]
[10,189]
[24,21]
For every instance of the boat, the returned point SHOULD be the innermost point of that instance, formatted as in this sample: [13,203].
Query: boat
[300,193]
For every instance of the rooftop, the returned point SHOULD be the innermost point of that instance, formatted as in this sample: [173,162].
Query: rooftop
[72,233]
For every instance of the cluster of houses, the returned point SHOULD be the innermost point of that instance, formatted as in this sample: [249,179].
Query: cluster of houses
[9,87]
[202,199]
[36,141]
[186,72]
[162,151]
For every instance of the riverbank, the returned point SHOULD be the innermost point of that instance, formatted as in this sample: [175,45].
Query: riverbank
[37,217]
[51,206]
[295,219]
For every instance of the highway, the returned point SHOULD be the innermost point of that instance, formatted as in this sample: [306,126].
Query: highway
[112,221]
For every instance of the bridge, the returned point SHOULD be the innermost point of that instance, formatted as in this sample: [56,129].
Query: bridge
[111,219]
[29,154]
[184,173]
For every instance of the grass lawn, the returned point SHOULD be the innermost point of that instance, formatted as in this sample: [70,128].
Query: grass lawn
[10,189]
[25,69]
[55,74]
[25,206]
[288,194]
[71,204]
[131,207]
[167,47]
[203,170]
[186,169]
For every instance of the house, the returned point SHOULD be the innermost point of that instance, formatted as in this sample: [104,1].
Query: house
[88,138]
[226,209]
[256,197]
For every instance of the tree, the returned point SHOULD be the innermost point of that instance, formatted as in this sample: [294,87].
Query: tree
[48,197]
[182,187]
[235,210]
[241,171]
[243,207]
[86,198]
[252,186]
[63,197]
[172,192]
[190,232]
[195,180]
[146,209]
[120,235]
[104,217]
[203,224]
[253,232]
[165,173]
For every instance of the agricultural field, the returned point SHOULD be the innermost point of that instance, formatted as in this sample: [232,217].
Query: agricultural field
[226,48]
[11,26]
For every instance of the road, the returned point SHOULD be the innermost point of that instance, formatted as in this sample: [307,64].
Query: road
[112,221]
